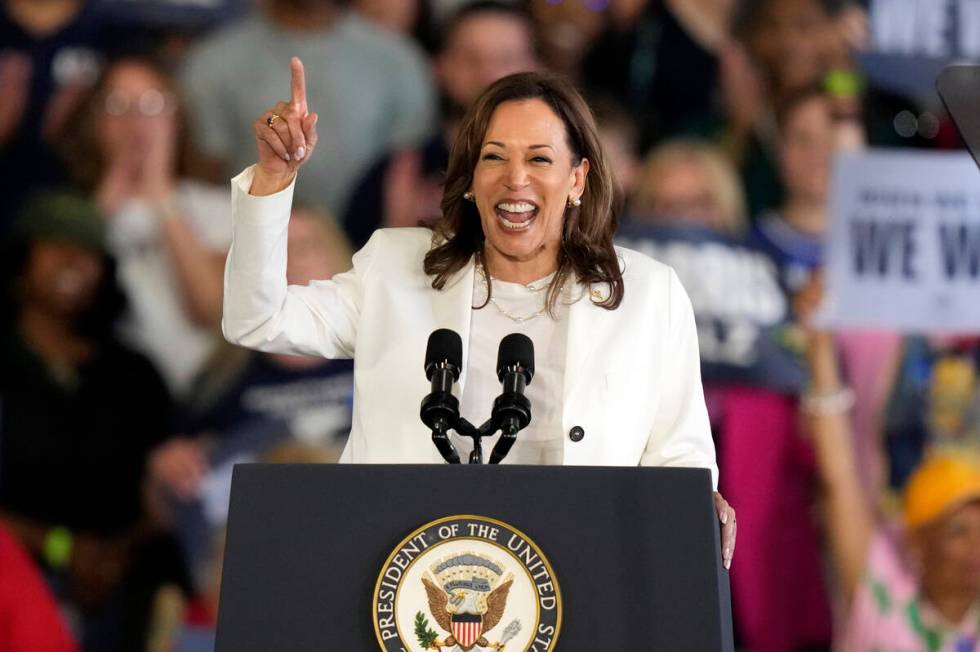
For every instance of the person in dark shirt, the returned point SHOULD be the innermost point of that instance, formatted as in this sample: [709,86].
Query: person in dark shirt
[79,413]
[51,52]
[661,63]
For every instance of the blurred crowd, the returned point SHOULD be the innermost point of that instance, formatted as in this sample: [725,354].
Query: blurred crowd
[850,459]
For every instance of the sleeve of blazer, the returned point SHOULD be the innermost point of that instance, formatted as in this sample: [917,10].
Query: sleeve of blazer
[681,433]
[260,311]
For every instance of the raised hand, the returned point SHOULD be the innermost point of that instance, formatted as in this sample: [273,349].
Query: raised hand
[285,137]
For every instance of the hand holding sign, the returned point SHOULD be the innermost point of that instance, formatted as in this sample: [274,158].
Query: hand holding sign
[285,137]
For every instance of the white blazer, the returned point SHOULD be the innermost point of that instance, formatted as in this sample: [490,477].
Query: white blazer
[632,375]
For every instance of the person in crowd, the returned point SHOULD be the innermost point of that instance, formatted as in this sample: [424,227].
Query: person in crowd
[129,147]
[691,193]
[693,181]
[789,46]
[565,31]
[528,203]
[932,399]
[793,235]
[51,52]
[373,86]
[29,617]
[659,59]
[246,403]
[81,412]
[620,137]
[191,622]
[482,42]
[913,584]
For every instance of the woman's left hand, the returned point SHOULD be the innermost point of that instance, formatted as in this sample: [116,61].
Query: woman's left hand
[726,514]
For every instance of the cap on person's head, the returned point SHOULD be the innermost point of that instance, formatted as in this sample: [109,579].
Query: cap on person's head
[942,482]
[62,216]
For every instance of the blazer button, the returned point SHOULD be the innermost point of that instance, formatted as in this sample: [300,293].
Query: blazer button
[576,433]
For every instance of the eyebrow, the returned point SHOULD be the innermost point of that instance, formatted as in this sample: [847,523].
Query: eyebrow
[499,144]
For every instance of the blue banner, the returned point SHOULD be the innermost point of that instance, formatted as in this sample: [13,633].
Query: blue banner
[739,306]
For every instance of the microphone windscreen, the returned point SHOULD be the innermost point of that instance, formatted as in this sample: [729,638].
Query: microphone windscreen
[516,349]
[444,346]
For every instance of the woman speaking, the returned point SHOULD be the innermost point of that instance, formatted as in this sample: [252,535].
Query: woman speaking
[525,244]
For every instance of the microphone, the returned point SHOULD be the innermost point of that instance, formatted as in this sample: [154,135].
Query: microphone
[512,410]
[440,409]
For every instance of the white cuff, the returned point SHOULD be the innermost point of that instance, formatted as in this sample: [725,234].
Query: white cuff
[248,205]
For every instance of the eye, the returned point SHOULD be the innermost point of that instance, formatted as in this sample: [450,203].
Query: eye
[541,159]
[490,156]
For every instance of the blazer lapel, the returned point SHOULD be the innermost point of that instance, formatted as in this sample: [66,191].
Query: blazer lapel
[452,308]
[582,337]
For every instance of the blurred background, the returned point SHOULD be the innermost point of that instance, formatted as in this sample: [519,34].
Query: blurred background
[847,451]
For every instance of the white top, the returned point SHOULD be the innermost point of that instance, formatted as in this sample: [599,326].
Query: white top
[631,382]
[541,442]
[157,322]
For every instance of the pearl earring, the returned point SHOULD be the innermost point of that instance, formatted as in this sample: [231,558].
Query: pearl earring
[574,202]
[469,196]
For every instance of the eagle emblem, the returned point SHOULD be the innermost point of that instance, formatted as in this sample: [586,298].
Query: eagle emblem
[467,595]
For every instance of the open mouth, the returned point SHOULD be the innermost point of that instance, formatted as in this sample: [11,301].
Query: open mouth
[516,216]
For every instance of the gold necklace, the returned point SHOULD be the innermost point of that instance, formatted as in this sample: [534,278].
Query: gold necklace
[533,287]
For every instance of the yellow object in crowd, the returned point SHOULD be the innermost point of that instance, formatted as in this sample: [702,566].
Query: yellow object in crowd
[943,481]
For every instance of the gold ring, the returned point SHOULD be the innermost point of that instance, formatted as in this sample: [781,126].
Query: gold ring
[272,119]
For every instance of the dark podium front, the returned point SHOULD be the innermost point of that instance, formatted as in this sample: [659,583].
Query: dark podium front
[635,551]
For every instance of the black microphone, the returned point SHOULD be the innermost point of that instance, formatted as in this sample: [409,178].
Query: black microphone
[440,409]
[512,410]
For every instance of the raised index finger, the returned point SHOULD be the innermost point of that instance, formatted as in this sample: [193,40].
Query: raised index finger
[298,85]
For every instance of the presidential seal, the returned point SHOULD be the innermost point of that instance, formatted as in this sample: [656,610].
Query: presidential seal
[465,583]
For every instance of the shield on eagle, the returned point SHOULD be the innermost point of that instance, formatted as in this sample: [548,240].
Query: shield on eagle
[466,597]
[467,629]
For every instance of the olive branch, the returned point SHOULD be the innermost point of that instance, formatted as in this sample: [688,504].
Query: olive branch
[427,637]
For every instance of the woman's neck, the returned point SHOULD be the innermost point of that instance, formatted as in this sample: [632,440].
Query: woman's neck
[807,216]
[294,19]
[54,340]
[512,270]
[953,607]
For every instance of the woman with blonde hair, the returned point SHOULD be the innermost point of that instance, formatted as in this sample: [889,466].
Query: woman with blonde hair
[692,181]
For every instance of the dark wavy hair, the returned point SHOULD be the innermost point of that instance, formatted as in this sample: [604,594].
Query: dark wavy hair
[587,232]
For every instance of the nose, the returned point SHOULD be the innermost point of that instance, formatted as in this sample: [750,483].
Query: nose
[516,174]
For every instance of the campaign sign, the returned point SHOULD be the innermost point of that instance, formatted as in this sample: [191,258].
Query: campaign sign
[912,40]
[903,244]
[739,306]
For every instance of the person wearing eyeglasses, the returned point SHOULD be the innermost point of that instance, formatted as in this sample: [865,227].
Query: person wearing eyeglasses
[128,146]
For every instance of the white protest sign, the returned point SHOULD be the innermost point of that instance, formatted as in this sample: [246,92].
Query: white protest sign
[912,40]
[903,244]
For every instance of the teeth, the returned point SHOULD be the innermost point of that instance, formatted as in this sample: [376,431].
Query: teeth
[515,226]
[519,207]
